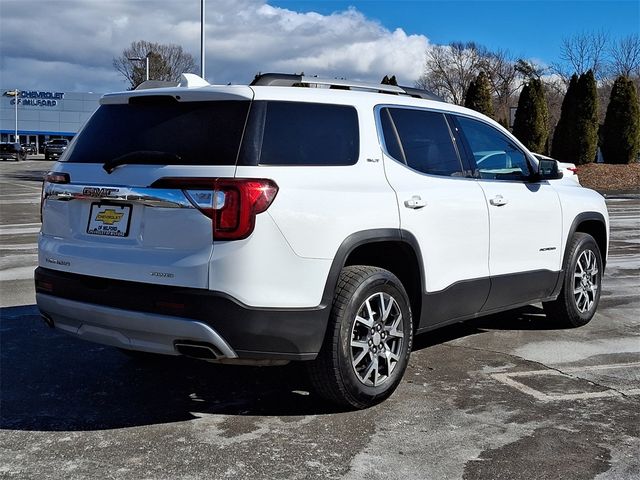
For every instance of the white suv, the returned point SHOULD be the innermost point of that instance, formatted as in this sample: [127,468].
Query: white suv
[268,223]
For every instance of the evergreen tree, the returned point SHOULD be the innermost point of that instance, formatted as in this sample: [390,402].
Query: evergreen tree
[531,123]
[470,95]
[389,80]
[621,129]
[564,132]
[478,95]
[585,139]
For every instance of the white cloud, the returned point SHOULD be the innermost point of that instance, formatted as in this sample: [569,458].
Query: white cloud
[70,44]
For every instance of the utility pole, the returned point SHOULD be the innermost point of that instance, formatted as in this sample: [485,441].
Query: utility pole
[202,25]
[139,59]
[15,94]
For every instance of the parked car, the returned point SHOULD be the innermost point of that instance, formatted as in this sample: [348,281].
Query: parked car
[268,223]
[12,151]
[54,148]
[29,148]
[569,170]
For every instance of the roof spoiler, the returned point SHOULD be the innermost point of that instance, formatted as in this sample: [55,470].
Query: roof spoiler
[187,80]
[291,80]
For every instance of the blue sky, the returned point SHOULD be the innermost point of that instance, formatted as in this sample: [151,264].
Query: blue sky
[527,28]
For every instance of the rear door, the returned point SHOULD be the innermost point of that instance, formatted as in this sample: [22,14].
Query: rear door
[109,211]
[441,207]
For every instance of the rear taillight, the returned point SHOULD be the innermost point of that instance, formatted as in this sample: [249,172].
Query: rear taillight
[231,203]
[573,170]
[52,177]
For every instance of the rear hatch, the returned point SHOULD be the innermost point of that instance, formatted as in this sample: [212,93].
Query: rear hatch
[132,196]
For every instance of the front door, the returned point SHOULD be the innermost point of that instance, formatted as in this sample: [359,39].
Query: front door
[525,218]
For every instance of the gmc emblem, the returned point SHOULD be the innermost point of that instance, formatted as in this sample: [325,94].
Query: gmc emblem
[98,192]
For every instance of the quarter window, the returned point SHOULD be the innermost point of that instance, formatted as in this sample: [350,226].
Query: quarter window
[421,139]
[309,134]
[496,157]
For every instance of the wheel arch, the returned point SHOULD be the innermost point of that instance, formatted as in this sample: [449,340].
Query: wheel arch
[392,249]
[591,223]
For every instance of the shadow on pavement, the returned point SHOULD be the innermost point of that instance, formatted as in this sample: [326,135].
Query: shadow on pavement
[530,317]
[52,382]
[29,175]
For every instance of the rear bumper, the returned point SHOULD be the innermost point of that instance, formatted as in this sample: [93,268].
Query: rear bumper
[126,329]
[136,315]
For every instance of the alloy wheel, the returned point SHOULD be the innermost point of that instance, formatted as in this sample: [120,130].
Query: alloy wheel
[376,339]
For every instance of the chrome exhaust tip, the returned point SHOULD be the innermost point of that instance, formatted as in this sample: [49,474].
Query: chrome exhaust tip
[202,351]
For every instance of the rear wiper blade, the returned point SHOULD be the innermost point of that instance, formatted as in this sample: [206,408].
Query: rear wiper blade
[140,157]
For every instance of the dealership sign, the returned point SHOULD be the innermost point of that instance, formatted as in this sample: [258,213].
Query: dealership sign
[36,98]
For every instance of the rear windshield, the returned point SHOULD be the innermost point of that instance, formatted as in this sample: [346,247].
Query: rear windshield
[190,133]
[59,142]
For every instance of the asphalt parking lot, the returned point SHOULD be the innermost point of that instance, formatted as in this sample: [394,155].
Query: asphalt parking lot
[509,396]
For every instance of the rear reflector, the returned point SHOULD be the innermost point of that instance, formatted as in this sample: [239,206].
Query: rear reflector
[231,203]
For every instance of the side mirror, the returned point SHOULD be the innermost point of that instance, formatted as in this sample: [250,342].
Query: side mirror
[548,170]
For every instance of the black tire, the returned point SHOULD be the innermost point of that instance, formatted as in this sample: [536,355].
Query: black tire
[333,373]
[578,300]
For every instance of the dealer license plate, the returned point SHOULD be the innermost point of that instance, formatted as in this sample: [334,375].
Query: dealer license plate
[109,220]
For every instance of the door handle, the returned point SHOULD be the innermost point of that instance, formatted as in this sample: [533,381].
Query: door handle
[415,202]
[498,201]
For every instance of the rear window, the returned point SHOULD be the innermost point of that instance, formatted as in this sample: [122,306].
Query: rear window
[59,142]
[297,133]
[190,133]
[421,139]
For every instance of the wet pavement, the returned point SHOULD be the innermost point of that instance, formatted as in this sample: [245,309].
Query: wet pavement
[510,396]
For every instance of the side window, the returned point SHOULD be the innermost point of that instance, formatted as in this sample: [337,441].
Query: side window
[421,139]
[309,134]
[496,157]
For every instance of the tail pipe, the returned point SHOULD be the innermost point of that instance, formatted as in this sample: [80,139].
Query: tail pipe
[200,350]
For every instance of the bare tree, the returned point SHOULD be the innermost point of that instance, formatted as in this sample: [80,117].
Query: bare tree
[166,62]
[503,77]
[625,56]
[583,52]
[449,69]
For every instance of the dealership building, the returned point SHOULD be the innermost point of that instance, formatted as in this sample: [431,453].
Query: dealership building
[43,115]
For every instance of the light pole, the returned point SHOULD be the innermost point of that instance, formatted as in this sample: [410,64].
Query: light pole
[140,59]
[202,24]
[15,94]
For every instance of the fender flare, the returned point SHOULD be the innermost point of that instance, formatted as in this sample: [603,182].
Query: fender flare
[580,218]
[364,237]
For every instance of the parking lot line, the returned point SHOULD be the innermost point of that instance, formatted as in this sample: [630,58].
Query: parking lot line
[509,379]
[19,230]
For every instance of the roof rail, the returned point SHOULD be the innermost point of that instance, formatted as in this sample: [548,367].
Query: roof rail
[289,80]
[420,93]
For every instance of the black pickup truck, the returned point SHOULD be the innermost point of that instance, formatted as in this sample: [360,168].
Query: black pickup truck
[55,148]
